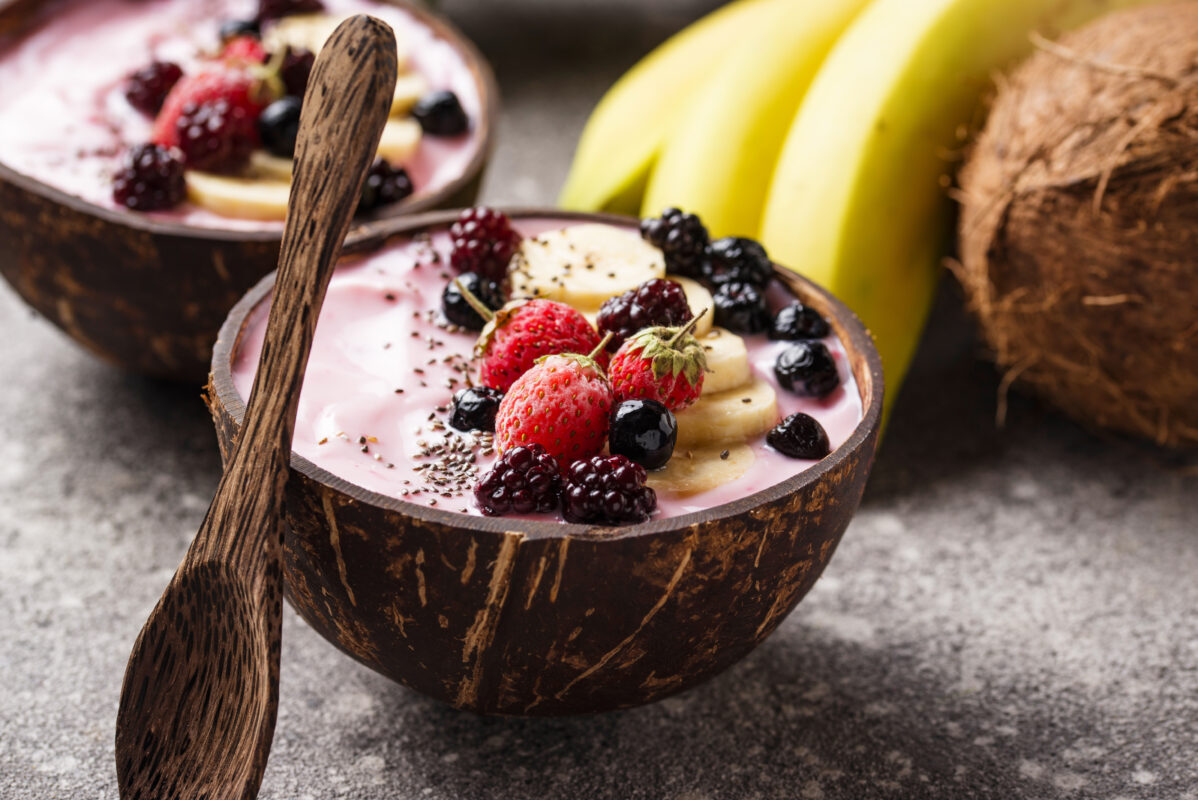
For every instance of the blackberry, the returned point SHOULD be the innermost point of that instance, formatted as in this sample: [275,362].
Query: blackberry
[384,185]
[680,237]
[216,136]
[607,490]
[644,431]
[147,88]
[807,368]
[296,69]
[799,436]
[232,29]
[150,180]
[457,308]
[741,307]
[440,113]
[797,321]
[654,302]
[278,126]
[474,409]
[737,260]
[276,9]
[525,479]
[483,241]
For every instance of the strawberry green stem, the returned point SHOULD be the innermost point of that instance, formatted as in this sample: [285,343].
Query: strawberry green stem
[685,329]
[599,349]
[479,306]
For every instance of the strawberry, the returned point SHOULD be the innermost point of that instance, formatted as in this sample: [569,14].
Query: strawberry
[662,364]
[562,403]
[243,51]
[523,331]
[212,117]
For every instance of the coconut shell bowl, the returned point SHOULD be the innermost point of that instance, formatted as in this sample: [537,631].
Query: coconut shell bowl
[515,617]
[149,294]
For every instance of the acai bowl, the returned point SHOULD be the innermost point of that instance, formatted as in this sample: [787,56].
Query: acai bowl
[405,549]
[145,155]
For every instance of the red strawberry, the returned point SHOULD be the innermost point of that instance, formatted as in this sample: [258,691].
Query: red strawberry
[521,332]
[562,403]
[662,364]
[243,51]
[212,118]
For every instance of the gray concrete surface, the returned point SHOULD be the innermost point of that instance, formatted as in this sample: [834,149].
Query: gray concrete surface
[1011,615]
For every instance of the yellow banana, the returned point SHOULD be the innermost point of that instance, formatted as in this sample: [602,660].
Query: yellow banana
[720,158]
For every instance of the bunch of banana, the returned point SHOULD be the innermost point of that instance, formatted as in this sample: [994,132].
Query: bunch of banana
[262,192]
[827,132]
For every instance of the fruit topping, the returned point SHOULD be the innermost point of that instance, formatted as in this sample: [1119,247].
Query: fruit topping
[799,436]
[797,321]
[736,415]
[737,260]
[607,490]
[807,368]
[243,51]
[212,118]
[741,307]
[523,331]
[296,69]
[147,88]
[440,113]
[562,403]
[656,302]
[276,9]
[662,364]
[522,481]
[727,361]
[232,29]
[463,293]
[680,237]
[644,431]
[278,126]
[150,180]
[474,409]
[483,241]
[385,184]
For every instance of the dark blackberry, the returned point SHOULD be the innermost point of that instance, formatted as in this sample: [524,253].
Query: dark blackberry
[799,436]
[457,308]
[474,409]
[607,490]
[524,480]
[741,307]
[147,88]
[216,136]
[654,302]
[808,369]
[276,9]
[296,69]
[278,126]
[384,185]
[737,260]
[680,237]
[644,431]
[483,241]
[440,113]
[232,29]
[797,321]
[150,180]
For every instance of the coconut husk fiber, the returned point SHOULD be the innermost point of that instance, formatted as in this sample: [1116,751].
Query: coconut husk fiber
[1079,224]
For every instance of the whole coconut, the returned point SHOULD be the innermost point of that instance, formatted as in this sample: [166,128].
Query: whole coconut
[1079,227]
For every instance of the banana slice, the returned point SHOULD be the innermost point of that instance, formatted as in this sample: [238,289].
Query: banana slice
[311,31]
[270,167]
[246,198]
[698,298]
[400,139]
[727,361]
[702,468]
[409,88]
[736,415]
[583,265]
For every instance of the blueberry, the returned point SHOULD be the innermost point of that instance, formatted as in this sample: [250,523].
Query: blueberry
[474,409]
[741,307]
[799,436]
[278,126]
[807,368]
[644,431]
[457,309]
[797,321]
[735,259]
[441,114]
[233,28]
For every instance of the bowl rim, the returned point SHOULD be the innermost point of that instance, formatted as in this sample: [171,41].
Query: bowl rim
[863,356]
[476,64]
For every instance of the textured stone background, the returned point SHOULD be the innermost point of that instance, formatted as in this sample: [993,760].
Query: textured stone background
[1012,614]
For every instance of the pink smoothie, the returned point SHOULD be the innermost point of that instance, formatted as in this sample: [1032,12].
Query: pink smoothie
[64,119]
[383,371]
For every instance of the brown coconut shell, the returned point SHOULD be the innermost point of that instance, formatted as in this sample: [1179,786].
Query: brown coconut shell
[504,616]
[149,295]
[1079,226]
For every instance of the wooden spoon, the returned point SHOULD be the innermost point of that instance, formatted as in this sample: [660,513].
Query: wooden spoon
[198,704]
